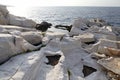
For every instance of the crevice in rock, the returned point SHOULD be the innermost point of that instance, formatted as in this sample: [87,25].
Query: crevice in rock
[69,74]
[4,61]
[84,28]
[16,71]
[37,44]
[61,38]
[53,60]
[88,70]
[88,25]
[88,43]
[14,40]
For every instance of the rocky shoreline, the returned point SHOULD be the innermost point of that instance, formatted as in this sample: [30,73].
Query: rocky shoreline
[89,51]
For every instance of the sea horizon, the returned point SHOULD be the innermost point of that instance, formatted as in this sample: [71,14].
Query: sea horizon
[59,6]
[67,14]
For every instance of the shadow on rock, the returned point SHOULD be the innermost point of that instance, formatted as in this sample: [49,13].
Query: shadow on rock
[53,60]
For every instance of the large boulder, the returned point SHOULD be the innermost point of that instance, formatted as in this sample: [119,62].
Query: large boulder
[11,45]
[34,38]
[21,21]
[79,26]
[9,19]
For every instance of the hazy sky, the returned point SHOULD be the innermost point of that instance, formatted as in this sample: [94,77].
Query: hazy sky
[61,2]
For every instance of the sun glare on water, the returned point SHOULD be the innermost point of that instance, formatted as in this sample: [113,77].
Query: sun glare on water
[25,3]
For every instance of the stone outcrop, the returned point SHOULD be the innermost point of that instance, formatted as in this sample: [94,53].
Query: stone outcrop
[90,51]
[21,21]
[8,19]
[19,39]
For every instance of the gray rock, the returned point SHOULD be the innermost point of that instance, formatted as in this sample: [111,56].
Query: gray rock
[35,38]
[21,21]
[12,45]
[79,26]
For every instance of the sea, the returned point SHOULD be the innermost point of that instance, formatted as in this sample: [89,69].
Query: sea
[66,15]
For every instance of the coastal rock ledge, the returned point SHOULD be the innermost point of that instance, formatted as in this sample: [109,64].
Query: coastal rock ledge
[89,51]
[8,19]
